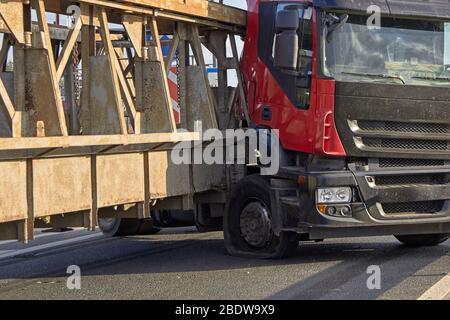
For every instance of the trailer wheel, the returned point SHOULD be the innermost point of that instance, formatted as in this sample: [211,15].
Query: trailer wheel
[423,240]
[115,227]
[248,226]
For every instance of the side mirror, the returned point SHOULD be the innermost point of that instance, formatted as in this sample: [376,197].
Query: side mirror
[287,20]
[286,51]
[286,40]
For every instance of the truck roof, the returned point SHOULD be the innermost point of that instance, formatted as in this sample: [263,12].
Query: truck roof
[411,8]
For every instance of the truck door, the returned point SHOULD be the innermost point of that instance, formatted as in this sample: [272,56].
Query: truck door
[295,83]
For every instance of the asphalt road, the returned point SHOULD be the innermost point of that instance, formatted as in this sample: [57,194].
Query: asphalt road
[182,264]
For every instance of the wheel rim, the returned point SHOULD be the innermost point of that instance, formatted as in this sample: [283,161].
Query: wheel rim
[106,223]
[255,225]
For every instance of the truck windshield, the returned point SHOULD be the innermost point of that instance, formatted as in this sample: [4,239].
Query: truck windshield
[401,51]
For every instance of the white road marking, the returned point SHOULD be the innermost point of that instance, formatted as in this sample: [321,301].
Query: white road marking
[41,235]
[44,235]
[51,245]
[439,291]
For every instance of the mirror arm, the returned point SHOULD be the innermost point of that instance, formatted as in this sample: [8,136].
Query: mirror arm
[291,72]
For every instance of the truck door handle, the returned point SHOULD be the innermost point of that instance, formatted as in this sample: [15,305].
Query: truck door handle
[266,113]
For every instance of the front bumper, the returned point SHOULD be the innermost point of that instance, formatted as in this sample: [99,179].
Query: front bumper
[386,201]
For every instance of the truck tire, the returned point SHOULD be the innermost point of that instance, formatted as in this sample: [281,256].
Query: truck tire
[423,240]
[247,222]
[116,227]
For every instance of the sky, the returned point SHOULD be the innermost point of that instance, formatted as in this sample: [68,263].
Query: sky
[236,3]
[232,79]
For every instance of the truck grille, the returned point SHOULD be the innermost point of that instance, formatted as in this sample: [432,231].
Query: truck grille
[405,180]
[397,139]
[406,144]
[406,188]
[391,126]
[409,163]
[401,137]
[424,207]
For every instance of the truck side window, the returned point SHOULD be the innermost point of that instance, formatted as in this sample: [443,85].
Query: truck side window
[296,86]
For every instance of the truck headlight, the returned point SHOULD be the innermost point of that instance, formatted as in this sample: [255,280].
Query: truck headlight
[334,195]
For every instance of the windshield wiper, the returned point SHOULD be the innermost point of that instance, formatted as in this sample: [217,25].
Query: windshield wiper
[377,75]
[432,78]
[333,23]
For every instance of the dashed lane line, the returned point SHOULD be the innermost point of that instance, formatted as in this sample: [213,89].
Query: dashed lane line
[439,291]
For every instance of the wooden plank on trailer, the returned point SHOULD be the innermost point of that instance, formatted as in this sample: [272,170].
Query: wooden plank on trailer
[135,26]
[66,51]
[120,179]
[127,93]
[11,144]
[93,213]
[196,10]
[3,26]
[144,208]
[127,66]
[26,232]
[172,50]
[12,14]
[242,95]
[210,107]
[166,178]
[13,203]
[61,185]
[6,106]
[112,60]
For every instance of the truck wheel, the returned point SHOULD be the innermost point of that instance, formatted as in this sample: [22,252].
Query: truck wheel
[115,227]
[423,239]
[248,226]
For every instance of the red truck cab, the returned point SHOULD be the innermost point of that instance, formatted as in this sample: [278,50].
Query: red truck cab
[363,112]
[286,101]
